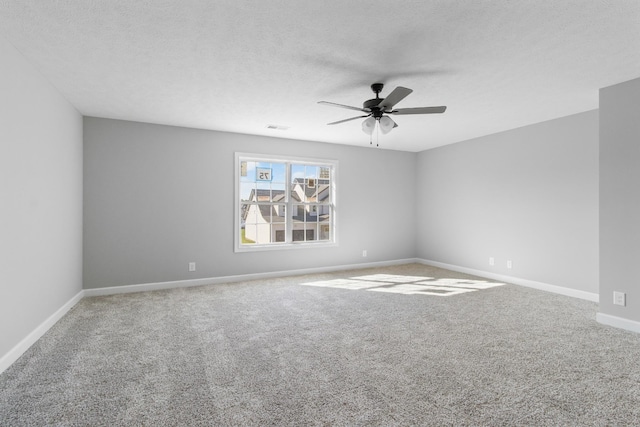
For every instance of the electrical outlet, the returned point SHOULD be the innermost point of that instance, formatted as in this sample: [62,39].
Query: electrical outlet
[364,253]
[619,298]
[192,266]
[492,261]
[509,264]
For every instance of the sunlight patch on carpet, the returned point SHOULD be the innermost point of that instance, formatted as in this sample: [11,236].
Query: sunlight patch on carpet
[407,285]
[394,278]
[345,284]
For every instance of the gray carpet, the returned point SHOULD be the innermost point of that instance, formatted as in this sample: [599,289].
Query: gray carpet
[328,349]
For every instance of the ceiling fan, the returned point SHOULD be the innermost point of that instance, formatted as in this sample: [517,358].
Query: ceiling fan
[377,109]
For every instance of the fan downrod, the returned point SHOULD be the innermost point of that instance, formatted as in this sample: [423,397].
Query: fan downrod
[372,104]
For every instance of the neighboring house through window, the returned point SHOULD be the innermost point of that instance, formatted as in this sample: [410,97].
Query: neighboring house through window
[284,202]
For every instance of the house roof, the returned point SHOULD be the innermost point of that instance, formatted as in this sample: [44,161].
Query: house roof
[268,211]
[320,190]
[264,195]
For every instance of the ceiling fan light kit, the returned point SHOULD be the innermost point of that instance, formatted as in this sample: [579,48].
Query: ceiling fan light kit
[369,125]
[377,109]
[386,124]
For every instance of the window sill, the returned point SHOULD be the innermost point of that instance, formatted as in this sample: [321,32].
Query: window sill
[284,246]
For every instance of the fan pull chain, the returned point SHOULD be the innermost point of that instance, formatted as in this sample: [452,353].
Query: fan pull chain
[377,127]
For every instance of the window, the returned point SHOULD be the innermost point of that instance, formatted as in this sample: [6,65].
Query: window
[284,202]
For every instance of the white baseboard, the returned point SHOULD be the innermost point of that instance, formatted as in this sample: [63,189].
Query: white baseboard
[618,322]
[29,340]
[19,349]
[144,287]
[589,296]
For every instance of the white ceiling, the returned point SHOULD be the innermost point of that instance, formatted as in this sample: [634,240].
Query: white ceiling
[238,66]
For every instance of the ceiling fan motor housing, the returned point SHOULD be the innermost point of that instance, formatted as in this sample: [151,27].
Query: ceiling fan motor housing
[372,104]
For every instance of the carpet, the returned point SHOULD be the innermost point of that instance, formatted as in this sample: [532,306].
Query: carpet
[394,346]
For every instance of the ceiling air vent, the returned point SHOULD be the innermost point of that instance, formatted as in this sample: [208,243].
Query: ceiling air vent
[277,127]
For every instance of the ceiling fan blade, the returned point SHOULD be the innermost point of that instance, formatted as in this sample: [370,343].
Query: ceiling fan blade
[347,120]
[420,110]
[397,95]
[342,106]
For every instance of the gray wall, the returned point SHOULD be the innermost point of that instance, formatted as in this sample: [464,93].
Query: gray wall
[529,195]
[41,199]
[620,198]
[157,197]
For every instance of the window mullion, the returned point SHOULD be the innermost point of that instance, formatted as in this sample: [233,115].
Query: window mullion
[289,210]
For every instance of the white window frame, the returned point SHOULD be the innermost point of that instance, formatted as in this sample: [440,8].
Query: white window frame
[333,240]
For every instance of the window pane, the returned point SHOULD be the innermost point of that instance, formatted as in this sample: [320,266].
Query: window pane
[324,193]
[248,233]
[262,193]
[247,171]
[297,173]
[278,222]
[310,191]
[311,172]
[247,190]
[278,192]
[280,212]
[297,183]
[298,235]
[324,214]
[297,193]
[299,213]
[247,214]
[311,232]
[263,214]
[279,173]
[305,182]
[325,232]
[324,175]
[263,233]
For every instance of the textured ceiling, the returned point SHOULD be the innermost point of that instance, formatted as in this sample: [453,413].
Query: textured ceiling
[239,66]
